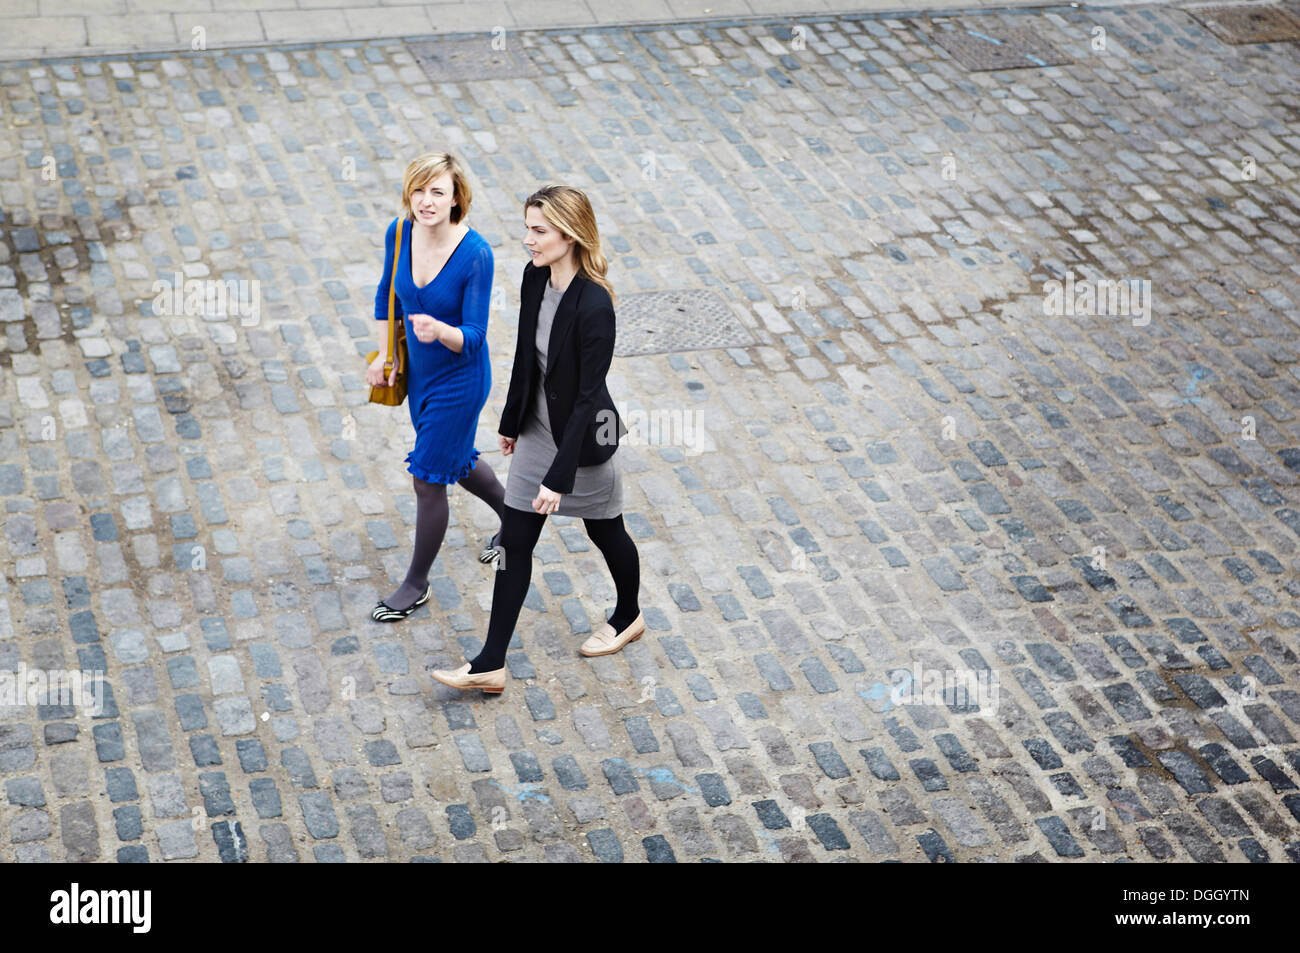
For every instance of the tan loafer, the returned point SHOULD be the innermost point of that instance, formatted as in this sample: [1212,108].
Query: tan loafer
[491,682]
[606,641]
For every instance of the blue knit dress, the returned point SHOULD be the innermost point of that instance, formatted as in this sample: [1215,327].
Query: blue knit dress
[445,391]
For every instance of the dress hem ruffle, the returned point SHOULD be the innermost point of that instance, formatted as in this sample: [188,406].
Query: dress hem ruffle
[428,476]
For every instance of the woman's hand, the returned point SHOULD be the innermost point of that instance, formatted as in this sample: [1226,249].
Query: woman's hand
[548,501]
[427,328]
[375,373]
[507,445]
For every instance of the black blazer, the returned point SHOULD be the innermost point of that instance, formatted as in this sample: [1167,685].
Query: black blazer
[584,420]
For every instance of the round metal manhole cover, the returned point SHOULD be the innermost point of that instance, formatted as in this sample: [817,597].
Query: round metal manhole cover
[661,322]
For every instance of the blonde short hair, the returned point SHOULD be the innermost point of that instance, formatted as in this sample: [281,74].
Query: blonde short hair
[424,169]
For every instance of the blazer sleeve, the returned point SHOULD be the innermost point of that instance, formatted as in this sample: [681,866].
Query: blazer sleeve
[512,415]
[381,294]
[475,301]
[596,351]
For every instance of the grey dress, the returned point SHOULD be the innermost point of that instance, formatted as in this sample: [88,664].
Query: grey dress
[597,491]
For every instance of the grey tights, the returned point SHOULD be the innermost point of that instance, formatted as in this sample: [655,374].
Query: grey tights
[431,515]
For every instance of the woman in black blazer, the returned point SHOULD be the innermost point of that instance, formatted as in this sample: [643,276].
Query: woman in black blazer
[561,427]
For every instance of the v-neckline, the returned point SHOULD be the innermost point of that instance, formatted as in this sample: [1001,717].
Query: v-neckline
[410,258]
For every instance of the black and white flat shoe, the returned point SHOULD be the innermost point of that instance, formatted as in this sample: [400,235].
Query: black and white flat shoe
[386,613]
[493,555]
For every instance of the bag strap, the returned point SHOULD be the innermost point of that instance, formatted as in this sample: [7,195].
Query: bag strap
[392,297]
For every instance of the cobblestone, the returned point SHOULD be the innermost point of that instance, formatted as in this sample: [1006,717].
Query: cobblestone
[913,464]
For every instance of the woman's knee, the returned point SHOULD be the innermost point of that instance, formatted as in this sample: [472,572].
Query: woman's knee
[428,491]
[519,531]
[609,529]
[482,472]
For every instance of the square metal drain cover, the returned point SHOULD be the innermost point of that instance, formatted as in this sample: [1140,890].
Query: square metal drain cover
[1249,23]
[661,322]
[462,60]
[1001,48]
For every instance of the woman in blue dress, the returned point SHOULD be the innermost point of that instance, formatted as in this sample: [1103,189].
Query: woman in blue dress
[444,284]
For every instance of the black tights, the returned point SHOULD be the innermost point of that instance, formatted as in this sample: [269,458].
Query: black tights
[519,533]
[431,517]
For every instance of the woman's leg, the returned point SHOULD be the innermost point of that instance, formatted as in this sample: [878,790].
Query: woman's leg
[614,543]
[483,483]
[430,527]
[519,532]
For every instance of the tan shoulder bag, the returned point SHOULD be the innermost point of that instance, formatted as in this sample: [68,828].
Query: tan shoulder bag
[392,396]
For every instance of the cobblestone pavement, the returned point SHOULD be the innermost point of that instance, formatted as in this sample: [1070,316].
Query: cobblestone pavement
[904,463]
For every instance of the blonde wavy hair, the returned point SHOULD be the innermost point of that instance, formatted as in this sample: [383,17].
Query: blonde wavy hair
[569,210]
[424,169]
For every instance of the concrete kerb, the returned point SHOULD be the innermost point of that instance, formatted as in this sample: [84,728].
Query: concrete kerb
[636,26]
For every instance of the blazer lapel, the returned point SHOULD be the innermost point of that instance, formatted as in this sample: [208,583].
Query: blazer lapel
[531,296]
[565,314]
[532,299]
